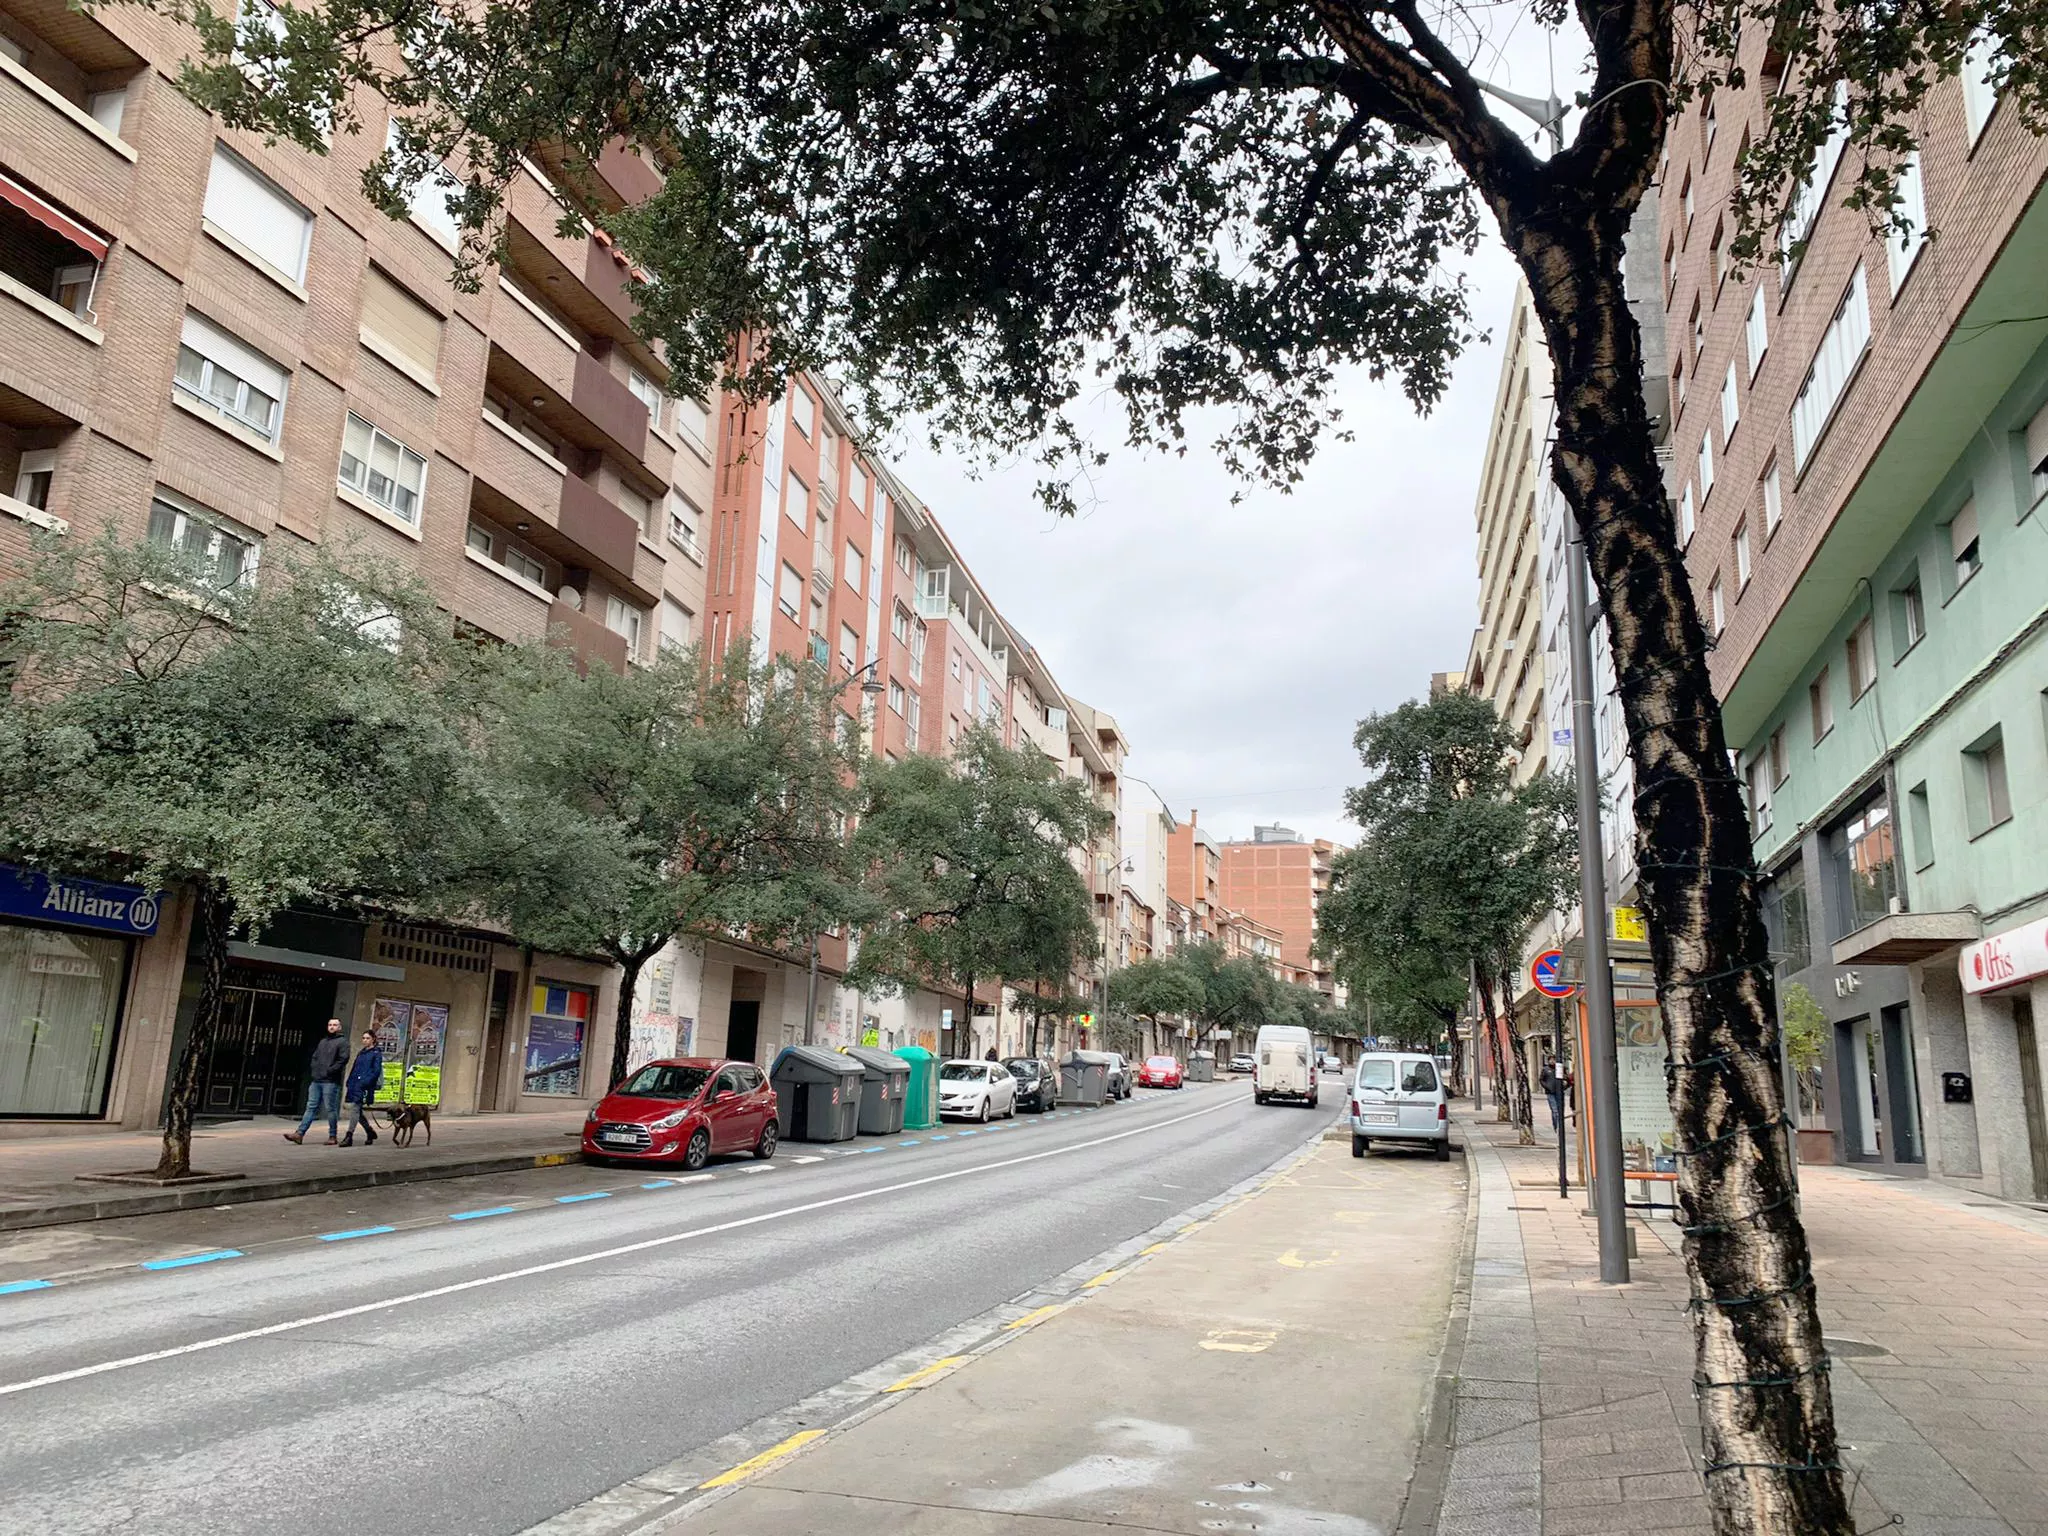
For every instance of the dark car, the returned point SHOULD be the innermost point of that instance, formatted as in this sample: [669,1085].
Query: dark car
[684,1111]
[1038,1085]
[1119,1076]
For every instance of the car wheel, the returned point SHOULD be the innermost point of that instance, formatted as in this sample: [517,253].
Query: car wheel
[1359,1145]
[765,1147]
[698,1152]
[1258,1097]
[984,1111]
[1443,1151]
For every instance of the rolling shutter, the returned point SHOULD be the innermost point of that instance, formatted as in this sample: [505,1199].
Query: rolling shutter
[401,322]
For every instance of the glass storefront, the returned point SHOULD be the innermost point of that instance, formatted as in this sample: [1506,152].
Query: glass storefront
[60,1003]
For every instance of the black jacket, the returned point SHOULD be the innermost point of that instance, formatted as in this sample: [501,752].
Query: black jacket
[330,1059]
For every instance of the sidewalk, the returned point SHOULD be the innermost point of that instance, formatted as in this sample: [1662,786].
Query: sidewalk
[41,1184]
[1267,1371]
[1572,1405]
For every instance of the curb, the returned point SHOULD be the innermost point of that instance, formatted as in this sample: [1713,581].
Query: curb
[1423,1506]
[206,1197]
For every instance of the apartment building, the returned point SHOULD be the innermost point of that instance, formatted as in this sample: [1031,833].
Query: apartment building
[1278,879]
[1861,457]
[1194,878]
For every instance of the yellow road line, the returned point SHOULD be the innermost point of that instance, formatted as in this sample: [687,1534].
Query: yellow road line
[915,1377]
[1142,1252]
[1034,1317]
[1102,1279]
[767,1458]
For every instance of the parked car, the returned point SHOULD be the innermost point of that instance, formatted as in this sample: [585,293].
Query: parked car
[977,1090]
[1286,1066]
[1398,1096]
[1244,1062]
[1038,1084]
[1161,1072]
[1119,1076]
[686,1110]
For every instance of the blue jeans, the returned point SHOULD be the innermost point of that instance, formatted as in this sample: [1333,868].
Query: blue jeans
[322,1098]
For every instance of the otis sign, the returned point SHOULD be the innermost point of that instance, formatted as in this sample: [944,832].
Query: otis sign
[76,903]
[2005,959]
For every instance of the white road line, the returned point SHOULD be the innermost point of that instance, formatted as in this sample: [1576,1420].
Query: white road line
[271,1330]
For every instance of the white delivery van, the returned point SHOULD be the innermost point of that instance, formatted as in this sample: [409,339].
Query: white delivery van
[1286,1066]
[1399,1096]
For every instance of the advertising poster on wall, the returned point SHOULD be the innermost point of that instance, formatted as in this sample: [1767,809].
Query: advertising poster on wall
[427,1040]
[391,1022]
[555,1028]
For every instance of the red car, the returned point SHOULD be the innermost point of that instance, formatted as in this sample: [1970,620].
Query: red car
[1160,1072]
[684,1111]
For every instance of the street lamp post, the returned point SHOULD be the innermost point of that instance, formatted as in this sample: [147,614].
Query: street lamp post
[872,686]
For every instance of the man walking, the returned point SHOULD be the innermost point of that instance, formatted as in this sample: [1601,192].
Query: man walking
[323,1093]
[1553,1086]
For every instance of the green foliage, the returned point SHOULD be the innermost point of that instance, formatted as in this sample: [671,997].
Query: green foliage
[1154,986]
[1804,1027]
[970,870]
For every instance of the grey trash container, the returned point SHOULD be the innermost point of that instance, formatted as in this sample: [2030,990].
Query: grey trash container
[1084,1078]
[817,1094]
[1201,1066]
[884,1089]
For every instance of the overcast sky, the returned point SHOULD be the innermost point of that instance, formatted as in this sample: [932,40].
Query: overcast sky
[1238,646]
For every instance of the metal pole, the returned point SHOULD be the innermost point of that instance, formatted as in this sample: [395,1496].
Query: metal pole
[1603,1089]
[811,996]
[1564,1187]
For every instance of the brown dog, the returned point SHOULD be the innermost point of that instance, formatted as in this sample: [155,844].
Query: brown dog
[405,1119]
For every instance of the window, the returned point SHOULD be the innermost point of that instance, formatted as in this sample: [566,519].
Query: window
[221,550]
[684,519]
[649,394]
[857,484]
[2037,457]
[1717,606]
[33,477]
[1706,464]
[1986,794]
[258,217]
[1902,247]
[1731,406]
[1759,783]
[693,423]
[427,199]
[896,696]
[1699,333]
[913,719]
[903,556]
[1909,615]
[382,468]
[1820,702]
[796,501]
[803,410]
[60,990]
[636,505]
[899,624]
[225,378]
[1678,381]
[920,633]
[1686,520]
[622,618]
[1963,543]
[1774,499]
[1717,257]
[1868,863]
[854,567]
[520,563]
[1920,826]
[45,253]
[956,666]
[1742,561]
[1862,653]
[675,626]
[1785,919]
[1685,202]
[1811,197]
[481,539]
[1709,125]
[396,322]
[1979,94]
[1841,350]
[1756,330]
[1781,765]
[849,647]
[791,598]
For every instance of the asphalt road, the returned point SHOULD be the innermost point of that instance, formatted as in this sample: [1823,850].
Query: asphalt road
[503,1353]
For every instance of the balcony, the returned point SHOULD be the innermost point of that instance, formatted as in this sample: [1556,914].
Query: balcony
[606,533]
[593,644]
[68,103]
[560,514]
[536,363]
[609,406]
[620,178]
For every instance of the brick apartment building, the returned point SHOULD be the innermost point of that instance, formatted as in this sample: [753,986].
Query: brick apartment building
[1860,456]
[220,343]
[1279,879]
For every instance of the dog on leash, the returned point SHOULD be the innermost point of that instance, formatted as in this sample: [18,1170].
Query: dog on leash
[407,1118]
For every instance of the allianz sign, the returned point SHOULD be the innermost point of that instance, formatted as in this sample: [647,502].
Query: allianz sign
[75,903]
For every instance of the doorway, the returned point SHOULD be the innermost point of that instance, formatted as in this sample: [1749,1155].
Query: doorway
[1902,1085]
[257,1063]
[743,1029]
[1862,1113]
[2030,1091]
[502,985]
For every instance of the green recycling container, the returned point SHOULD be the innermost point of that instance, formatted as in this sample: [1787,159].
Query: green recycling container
[921,1109]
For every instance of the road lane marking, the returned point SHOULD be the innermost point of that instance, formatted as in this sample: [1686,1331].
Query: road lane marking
[591,1194]
[1293,1260]
[1105,1278]
[758,1168]
[15,1287]
[598,1256]
[353,1232]
[194,1258]
[1241,1341]
[810,1159]
[1148,1252]
[659,1184]
[924,1373]
[1038,1316]
[767,1458]
[489,1210]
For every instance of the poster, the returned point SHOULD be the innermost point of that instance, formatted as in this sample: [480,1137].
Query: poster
[391,1023]
[1649,1138]
[554,1038]
[425,1043]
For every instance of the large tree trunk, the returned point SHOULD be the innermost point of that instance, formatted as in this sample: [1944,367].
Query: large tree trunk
[1772,1457]
[963,1027]
[1502,1105]
[215,915]
[1525,1110]
[622,1017]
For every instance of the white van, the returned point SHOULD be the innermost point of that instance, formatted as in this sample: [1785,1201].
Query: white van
[1286,1066]
[1399,1096]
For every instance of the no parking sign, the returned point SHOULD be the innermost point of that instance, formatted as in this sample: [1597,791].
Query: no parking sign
[1547,972]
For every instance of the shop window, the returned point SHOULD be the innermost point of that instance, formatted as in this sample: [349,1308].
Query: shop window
[555,1034]
[1786,923]
[60,1003]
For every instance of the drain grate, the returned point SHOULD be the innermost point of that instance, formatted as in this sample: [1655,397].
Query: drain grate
[1854,1349]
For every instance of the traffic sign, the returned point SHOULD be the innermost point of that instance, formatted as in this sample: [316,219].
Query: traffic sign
[1547,971]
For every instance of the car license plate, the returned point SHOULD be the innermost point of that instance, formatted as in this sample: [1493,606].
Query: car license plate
[1382,1119]
[615,1136]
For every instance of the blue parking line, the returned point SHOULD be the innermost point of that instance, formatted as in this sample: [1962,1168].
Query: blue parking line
[342,1237]
[595,1194]
[911,1143]
[659,1184]
[938,1138]
[15,1287]
[966,1133]
[195,1258]
[874,1149]
[492,1210]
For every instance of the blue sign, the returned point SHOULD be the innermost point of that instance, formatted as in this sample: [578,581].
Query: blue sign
[1547,972]
[126,909]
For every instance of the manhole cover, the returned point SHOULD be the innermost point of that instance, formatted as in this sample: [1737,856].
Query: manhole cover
[1854,1349]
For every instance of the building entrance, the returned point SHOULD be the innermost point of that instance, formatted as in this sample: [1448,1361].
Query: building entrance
[269,1023]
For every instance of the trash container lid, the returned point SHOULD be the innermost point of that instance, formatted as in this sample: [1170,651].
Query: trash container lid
[811,1064]
[1086,1059]
[886,1063]
[915,1053]
[1202,1055]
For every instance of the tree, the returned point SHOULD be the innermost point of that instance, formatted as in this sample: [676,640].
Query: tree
[1455,860]
[1235,992]
[675,800]
[964,209]
[970,860]
[1154,987]
[1805,1027]
[298,739]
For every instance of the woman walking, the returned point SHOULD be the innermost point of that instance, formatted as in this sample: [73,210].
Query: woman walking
[364,1078]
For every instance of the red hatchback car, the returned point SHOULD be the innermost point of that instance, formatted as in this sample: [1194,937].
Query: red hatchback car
[684,1111]
[1160,1072]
